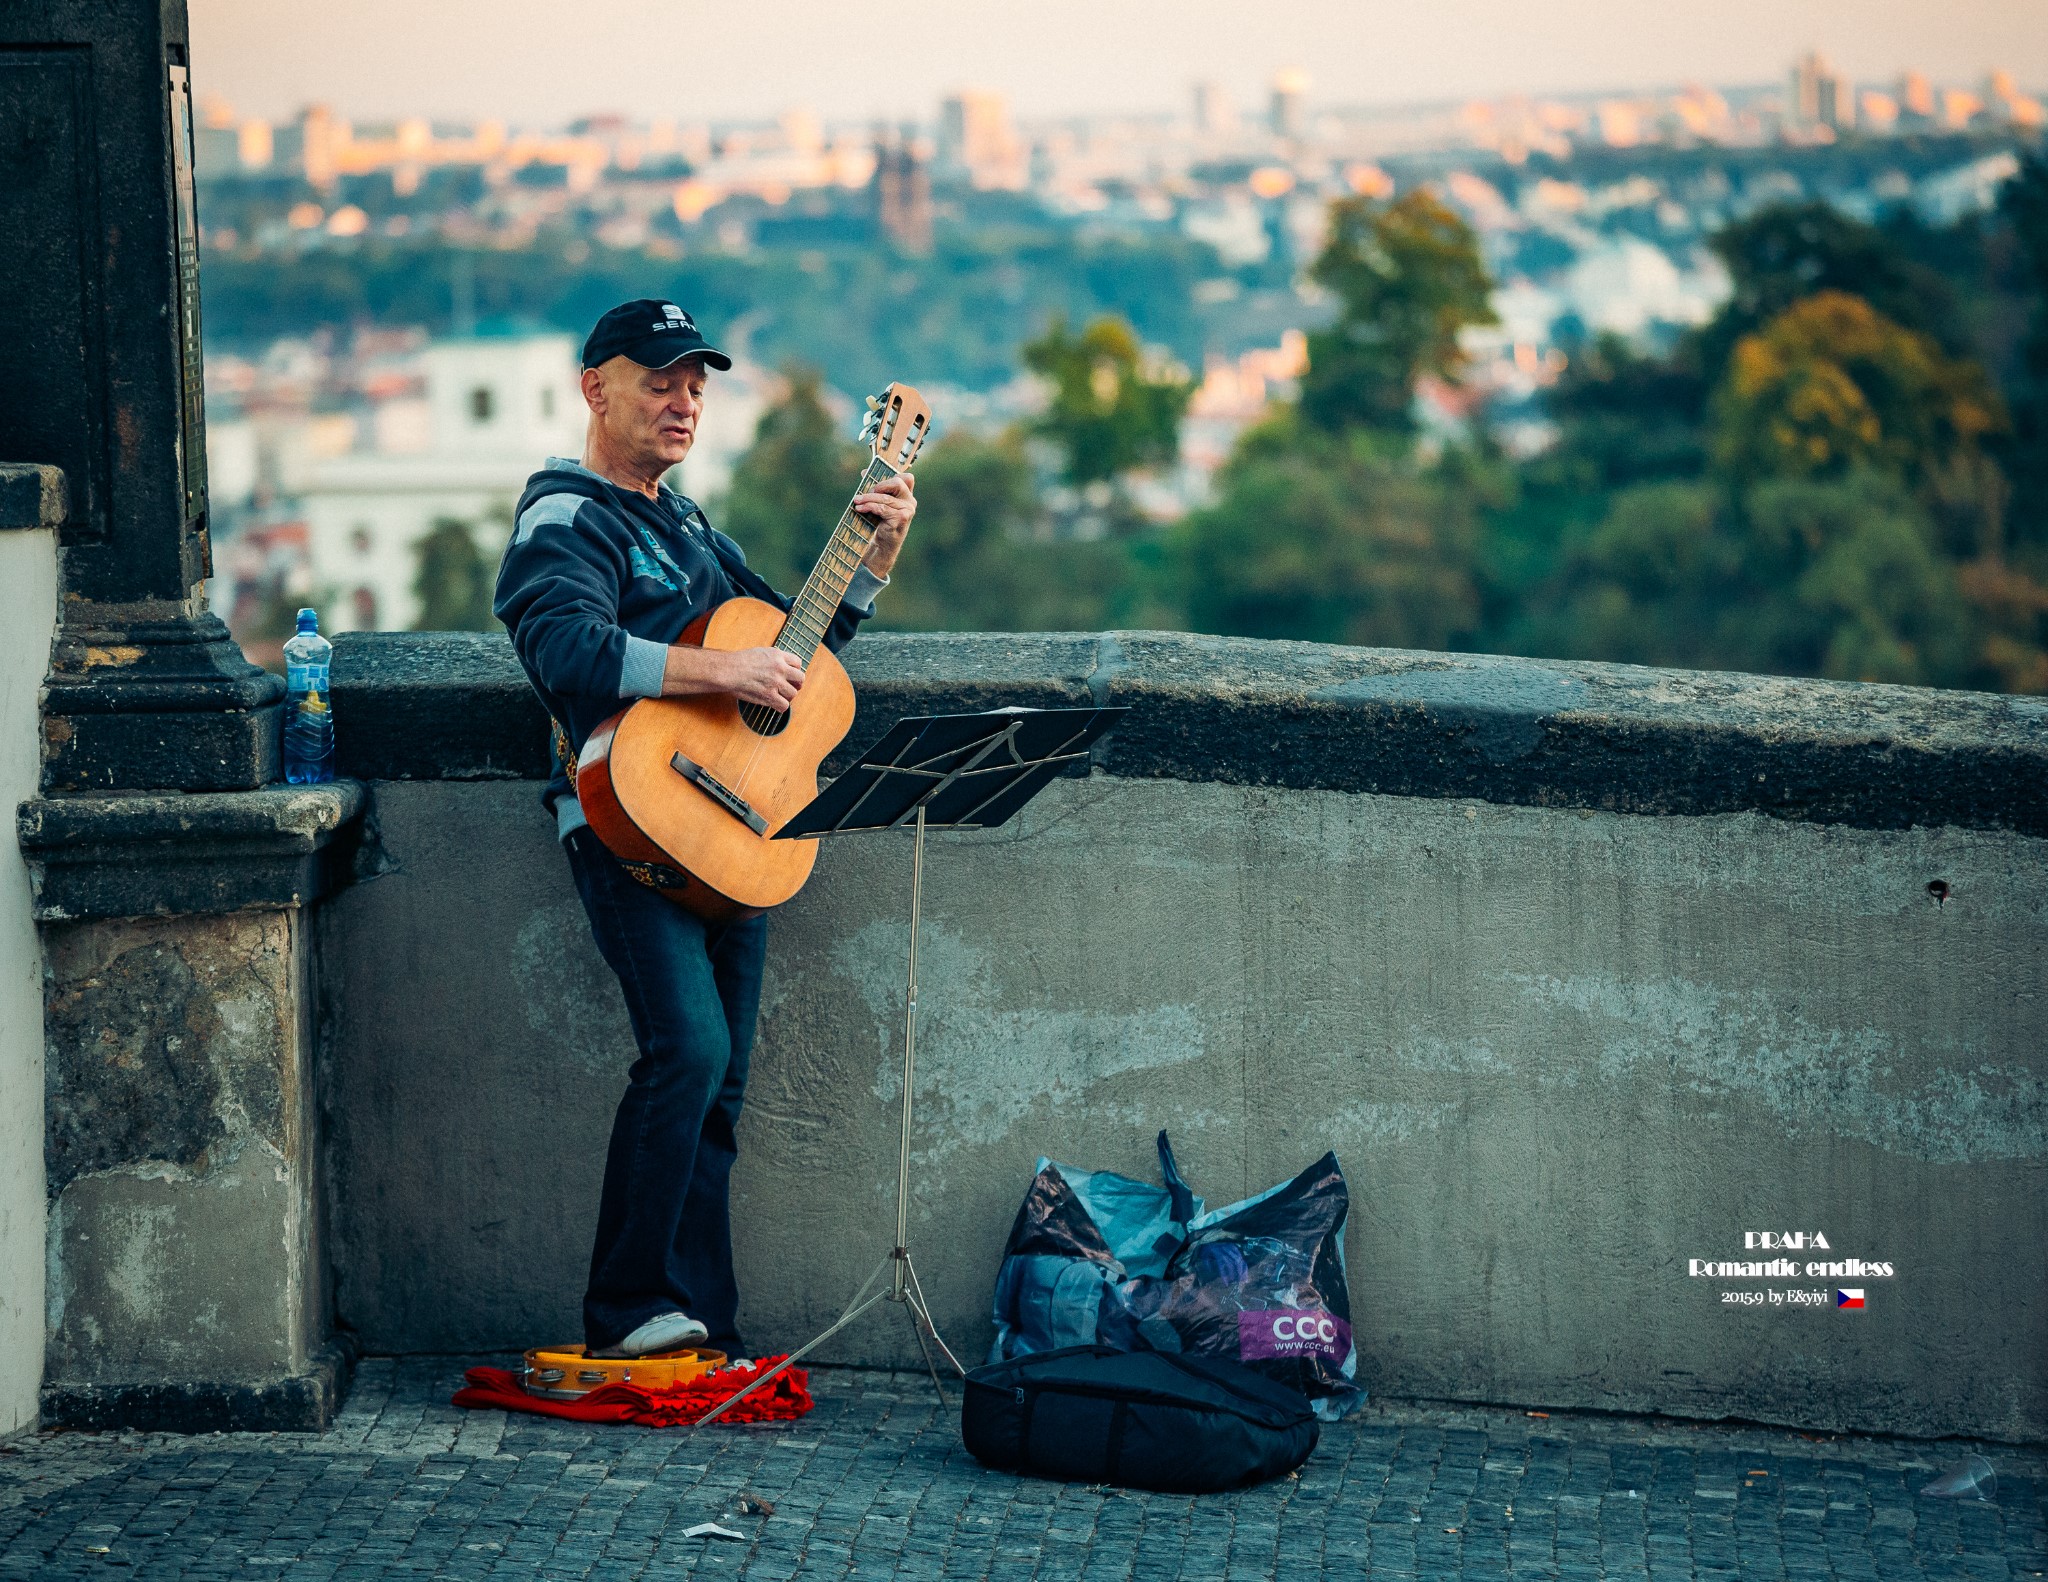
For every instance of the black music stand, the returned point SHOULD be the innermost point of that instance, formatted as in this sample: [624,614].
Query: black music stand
[944,771]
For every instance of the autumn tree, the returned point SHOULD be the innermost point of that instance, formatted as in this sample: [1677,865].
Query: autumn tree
[1831,385]
[1408,278]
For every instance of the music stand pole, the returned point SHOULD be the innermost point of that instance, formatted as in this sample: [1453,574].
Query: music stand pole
[1014,780]
[903,1286]
[901,1256]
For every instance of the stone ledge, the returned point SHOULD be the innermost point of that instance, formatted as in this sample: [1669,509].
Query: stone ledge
[304,1403]
[1544,733]
[32,496]
[435,706]
[166,853]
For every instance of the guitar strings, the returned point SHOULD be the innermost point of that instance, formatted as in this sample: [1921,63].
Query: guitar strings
[813,621]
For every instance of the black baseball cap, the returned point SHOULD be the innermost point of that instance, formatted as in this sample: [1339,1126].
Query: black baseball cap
[652,333]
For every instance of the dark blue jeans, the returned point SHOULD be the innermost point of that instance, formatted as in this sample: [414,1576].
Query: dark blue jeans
[664,1234]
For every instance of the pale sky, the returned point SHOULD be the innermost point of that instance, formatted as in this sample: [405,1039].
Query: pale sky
[546,61]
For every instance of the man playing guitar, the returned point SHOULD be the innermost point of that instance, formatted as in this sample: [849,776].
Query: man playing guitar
[606,568]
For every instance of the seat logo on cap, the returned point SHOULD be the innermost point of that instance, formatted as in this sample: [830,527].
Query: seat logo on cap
[676,319]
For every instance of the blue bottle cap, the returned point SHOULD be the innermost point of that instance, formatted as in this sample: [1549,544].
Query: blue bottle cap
[309,620]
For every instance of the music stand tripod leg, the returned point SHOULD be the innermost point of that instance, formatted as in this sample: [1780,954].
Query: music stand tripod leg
[923,1311]
[925,1351]
[871,1292]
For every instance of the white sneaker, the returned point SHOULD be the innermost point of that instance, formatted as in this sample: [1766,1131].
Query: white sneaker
[663,1332]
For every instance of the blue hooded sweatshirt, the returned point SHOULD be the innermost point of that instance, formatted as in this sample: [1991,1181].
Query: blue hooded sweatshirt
[599,580]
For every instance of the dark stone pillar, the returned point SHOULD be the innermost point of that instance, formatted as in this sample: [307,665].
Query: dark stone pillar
[172,881]
[100,323]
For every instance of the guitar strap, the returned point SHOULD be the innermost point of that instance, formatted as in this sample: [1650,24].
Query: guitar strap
[656,876]
[558,739]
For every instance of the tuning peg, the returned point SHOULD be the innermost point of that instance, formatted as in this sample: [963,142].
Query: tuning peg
[874,401]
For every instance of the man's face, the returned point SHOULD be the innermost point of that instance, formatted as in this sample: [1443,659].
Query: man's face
[649,414]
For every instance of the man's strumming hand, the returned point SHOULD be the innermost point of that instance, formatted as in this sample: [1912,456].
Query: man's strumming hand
[766,676]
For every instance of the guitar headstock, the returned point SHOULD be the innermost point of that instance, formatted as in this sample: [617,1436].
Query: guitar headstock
[896,425]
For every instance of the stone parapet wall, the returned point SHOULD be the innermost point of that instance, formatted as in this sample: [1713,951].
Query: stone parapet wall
[1584,971]
[1303,716]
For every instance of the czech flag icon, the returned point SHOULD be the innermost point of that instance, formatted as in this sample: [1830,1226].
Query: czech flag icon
[1848,1298]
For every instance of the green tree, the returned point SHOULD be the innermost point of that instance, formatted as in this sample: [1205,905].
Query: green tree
[1647,585]
[1867,595]
[1837,576]
[454,582]
[1408,277]
[975,560]
[1113,409]
[1329,538]
[2023,202]
[974,499]
[1627,417]
[790,486]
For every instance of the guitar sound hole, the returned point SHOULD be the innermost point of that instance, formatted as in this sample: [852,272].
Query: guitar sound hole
[762,720]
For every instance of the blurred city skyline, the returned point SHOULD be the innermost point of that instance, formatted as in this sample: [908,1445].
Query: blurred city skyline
[543,61]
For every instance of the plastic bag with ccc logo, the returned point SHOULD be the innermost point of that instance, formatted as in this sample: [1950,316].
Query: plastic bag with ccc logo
[1097,1258]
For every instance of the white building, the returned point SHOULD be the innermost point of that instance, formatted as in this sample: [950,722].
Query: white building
[496,404]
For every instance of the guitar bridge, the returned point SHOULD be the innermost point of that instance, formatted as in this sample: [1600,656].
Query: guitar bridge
[724,795]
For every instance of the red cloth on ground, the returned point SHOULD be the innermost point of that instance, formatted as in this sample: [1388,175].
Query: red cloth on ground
[789,1397]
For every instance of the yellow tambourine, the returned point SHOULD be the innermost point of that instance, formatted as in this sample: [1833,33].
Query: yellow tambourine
[562,1373]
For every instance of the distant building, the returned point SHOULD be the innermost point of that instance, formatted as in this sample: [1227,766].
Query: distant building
[1620,123]
[1287,112]
[497,403]
[312,145]
[976,139]
[2006,104]
[216,144]
[902,190]
[1916,98]
[1877,112]
[1214,113]
[1959,107]
[1820,95]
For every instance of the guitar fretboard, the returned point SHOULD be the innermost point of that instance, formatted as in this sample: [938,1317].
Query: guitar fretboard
[811,615]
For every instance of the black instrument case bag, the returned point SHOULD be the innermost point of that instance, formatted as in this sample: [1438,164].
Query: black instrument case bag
[1140,1419]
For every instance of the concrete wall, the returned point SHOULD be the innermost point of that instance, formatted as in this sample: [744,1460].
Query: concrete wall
[28,613]
[1560,1049]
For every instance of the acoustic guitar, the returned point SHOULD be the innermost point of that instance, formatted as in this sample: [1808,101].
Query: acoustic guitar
[687,792]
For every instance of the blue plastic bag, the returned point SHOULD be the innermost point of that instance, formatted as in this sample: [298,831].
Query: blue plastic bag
[1097,1258]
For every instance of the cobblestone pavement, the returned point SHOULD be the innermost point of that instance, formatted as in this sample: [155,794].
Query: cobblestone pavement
[874,1484]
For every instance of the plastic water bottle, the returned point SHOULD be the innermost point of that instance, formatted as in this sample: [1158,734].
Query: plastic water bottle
[308,720]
